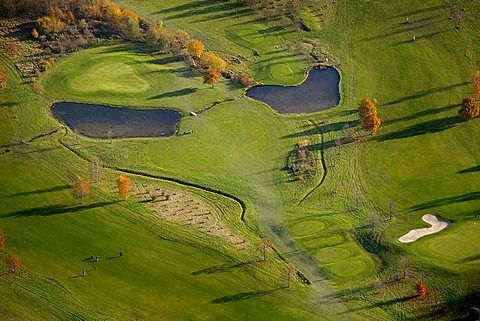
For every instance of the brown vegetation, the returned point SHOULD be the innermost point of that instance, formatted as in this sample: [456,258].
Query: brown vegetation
[301,161]
[211,76]
[14,263]
[80,188]
[368,113]
[470,108]
[124,186]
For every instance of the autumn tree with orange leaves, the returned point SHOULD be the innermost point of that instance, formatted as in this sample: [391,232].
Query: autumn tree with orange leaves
[469,109]
[211,76]
[14,263]
[209,59]
[124,186]
[421,290]
[80,188]
[368,112]
[195,48]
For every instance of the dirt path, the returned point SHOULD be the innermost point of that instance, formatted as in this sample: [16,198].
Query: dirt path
[436,226]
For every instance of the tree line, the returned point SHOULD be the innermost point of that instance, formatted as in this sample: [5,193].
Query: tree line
[65,26]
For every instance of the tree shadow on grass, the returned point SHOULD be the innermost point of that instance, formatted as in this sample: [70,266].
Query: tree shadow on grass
[422,113]
[326,128]
[383,304]
[176,93]
[41,191]
[424,93]
[446,201]
[420,10]
[223,268]
[470,170]
[429,127]
[57,209]
[469,259]
[244,296]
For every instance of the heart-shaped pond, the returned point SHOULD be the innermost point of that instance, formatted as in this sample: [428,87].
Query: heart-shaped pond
[318,92]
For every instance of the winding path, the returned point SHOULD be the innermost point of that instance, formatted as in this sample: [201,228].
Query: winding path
[164,178]
[324,165]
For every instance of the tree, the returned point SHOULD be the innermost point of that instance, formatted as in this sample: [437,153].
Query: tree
[14,263]
[290,271]
[2,239]
[124,186]
[264,245]
[421,290]
[371,123]
[35,33]
[211,76]
[96,169]
[209,59]
[195,48]
[476,84]
[80,188]
[366,107]
[469,109]
[404,266]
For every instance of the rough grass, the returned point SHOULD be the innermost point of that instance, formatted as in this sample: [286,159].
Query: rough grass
[422,159]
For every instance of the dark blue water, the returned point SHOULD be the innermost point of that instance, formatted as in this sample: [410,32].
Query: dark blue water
[98,121]
[318,92]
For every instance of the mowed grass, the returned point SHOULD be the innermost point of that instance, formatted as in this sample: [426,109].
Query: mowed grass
[230,29]
[422,159]
[126,75]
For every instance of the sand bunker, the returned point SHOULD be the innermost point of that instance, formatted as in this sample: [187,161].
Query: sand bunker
[431,219]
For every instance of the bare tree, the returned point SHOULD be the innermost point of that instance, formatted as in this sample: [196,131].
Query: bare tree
[404,266]
[96,169]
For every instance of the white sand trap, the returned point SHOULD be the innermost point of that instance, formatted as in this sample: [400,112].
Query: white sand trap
[436,227]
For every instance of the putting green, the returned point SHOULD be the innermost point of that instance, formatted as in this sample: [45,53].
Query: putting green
[349,268]
[332,254]
[281,72]
[308,228]
[115,77]
[461,244]
[323,241]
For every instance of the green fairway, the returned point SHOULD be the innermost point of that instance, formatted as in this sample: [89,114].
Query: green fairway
[424,159]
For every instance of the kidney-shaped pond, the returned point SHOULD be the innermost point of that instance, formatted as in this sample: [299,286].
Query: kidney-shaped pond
[98,121]
[318,92]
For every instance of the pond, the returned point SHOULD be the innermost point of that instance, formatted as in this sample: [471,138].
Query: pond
[318,92]
[97,121]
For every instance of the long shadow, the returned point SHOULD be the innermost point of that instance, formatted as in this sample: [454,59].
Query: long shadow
[164,60]
[424,93]
[243,296]
[223,268]
[404,30]
[183,7]
[227,10]
[432,126]
[419,114]
[470,170]
[382,304]
[446,201]
[416,11]
[469,259]
[427,36]
[176,93]
[57,209]
[226,15]
[41,191]
[324,128]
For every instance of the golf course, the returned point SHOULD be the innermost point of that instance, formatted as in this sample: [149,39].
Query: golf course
[265,199]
